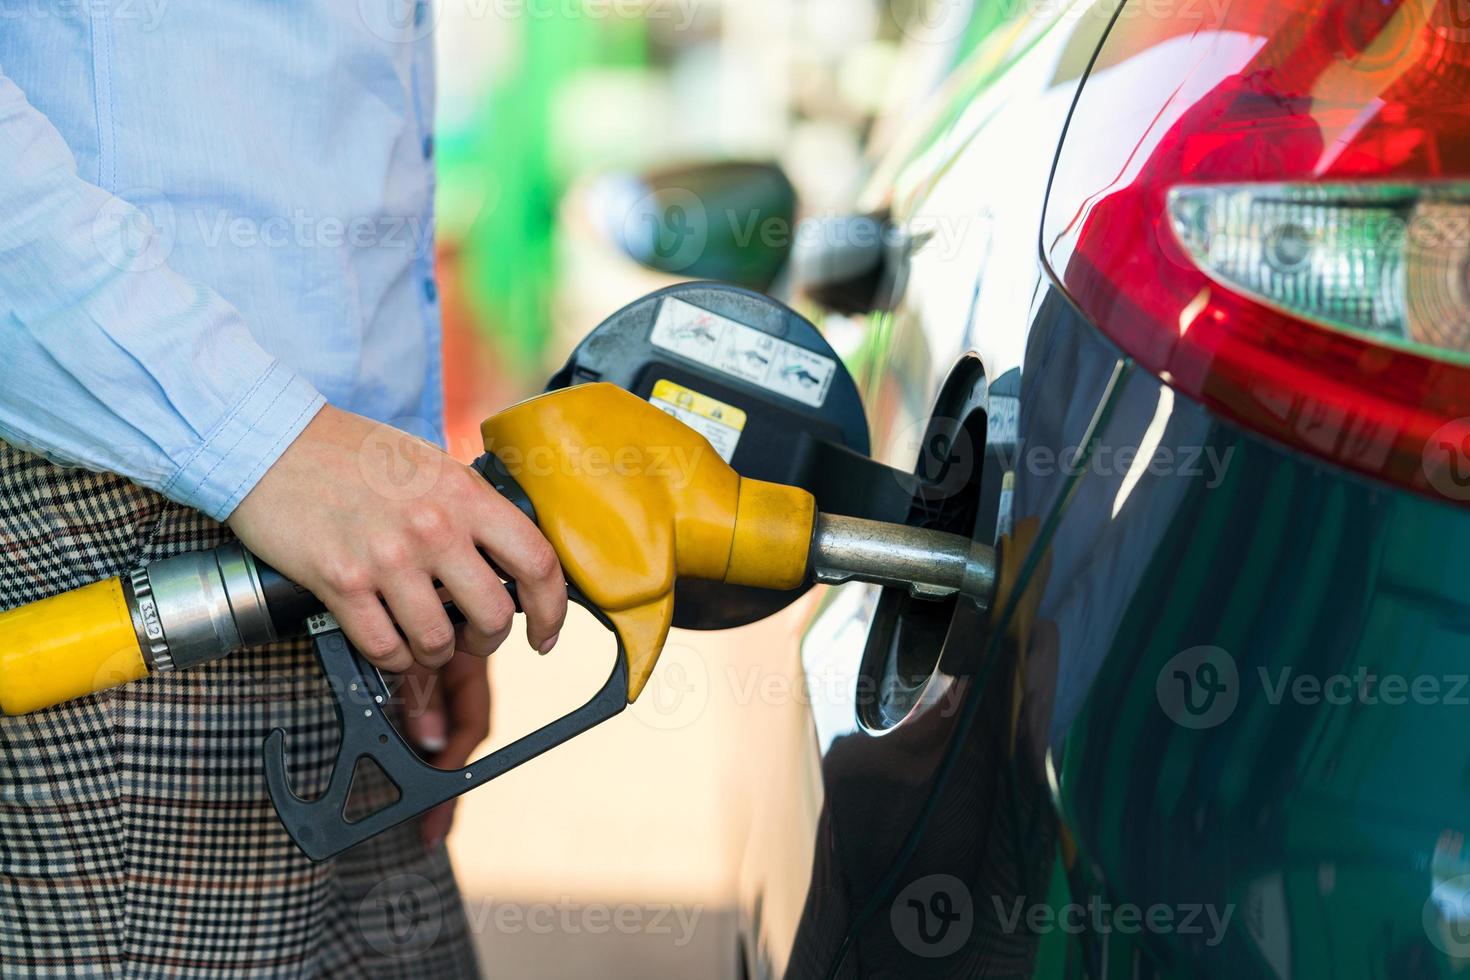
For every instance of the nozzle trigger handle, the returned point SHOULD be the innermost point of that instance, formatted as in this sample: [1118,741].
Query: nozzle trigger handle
[320,826]
[641,628]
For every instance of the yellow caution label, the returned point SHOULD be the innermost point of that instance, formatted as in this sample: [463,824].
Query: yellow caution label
[718,422]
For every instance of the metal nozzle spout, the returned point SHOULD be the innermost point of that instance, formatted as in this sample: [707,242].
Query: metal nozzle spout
[930,564]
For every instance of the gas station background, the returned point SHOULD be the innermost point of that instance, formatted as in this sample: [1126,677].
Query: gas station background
[538,100]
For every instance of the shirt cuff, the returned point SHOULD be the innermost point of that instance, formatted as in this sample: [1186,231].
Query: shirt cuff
[252,436]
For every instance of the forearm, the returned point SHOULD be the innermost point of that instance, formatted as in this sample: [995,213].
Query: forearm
[110,360]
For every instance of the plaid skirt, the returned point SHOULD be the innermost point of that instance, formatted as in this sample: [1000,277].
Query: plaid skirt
[136,837]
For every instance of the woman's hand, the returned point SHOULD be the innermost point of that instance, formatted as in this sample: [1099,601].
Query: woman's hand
[368,517]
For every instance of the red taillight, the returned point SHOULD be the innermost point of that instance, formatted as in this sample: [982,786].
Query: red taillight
[1272,212]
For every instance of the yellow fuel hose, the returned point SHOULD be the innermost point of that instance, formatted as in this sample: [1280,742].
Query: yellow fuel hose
[67,646]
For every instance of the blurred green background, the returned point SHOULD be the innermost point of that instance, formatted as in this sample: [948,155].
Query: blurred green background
[551,109]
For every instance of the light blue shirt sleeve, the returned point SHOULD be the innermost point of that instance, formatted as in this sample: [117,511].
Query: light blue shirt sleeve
[110,360]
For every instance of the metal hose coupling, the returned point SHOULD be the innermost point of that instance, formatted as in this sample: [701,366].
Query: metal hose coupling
[198,607]
[171,614]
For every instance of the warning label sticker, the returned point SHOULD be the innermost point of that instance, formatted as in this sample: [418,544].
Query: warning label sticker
[721,424]
[743,352]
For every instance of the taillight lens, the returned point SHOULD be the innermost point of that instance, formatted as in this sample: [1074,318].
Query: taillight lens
[1386,261]
[1271,210]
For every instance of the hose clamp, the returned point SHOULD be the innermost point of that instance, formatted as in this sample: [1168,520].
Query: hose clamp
[147,624]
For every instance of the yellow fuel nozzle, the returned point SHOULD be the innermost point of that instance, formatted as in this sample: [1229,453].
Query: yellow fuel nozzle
[632,499]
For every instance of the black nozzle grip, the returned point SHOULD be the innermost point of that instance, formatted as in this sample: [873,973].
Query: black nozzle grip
[320,827]
[498,475]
